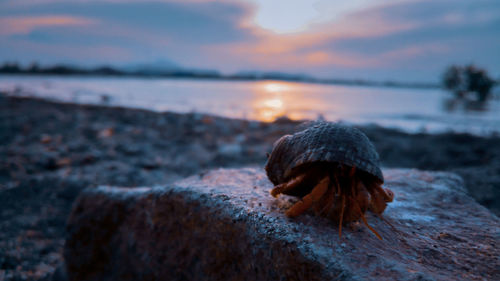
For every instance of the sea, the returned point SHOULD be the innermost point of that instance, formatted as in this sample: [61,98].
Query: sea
[409,109]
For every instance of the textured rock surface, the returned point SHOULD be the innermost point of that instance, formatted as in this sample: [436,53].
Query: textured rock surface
[224,225]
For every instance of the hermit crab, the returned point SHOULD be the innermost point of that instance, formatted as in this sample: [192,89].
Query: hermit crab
[334,169]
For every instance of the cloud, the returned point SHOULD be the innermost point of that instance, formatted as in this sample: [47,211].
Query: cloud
[145,30]
[364,37]
[436,27]
[404,35]
[26,24]
[311,48]
[203,22]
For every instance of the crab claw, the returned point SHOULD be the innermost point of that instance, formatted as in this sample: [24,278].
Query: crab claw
[379,199]
[389,195]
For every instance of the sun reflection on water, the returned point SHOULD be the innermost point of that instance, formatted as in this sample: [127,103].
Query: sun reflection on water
[274,99]
[274,103]
[276,86]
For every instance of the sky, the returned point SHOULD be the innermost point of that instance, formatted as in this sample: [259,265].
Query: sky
[398,40]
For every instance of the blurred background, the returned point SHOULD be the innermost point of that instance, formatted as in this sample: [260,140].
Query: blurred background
[361,61]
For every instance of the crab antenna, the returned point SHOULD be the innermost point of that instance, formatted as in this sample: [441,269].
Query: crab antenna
[341,216]
[371,228]
[387,222]
[364,220]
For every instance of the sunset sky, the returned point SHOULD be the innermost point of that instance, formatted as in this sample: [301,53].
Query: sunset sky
[369,39]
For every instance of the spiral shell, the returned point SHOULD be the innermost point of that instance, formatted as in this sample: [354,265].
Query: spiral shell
[322,142]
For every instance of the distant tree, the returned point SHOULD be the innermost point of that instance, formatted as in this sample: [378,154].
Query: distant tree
[453,79]
[468,79]
[479,82]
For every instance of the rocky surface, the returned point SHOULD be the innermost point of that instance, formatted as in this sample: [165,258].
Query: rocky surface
[224,225]
[50,151]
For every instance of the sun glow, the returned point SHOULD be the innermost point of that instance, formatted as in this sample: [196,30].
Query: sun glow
[302,15]
[295,18]
[274,103]
[276,87]
[274,99]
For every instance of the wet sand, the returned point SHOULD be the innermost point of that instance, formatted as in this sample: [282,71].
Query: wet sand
[50,151]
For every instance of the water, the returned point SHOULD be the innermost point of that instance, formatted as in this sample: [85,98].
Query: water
[413,110]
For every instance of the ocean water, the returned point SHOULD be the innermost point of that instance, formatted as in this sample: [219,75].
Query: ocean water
[412,110]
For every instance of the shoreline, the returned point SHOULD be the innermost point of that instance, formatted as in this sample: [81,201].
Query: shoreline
[50,151]
[445,114]
[220,77]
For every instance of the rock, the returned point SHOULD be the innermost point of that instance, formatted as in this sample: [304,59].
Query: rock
[224,225]
[229,149]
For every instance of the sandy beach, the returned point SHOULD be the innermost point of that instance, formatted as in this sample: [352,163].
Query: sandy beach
[50,151]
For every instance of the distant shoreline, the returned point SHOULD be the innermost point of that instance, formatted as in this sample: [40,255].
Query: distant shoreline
[107,71]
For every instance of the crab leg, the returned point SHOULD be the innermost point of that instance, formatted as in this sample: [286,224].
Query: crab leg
[291,184]
[334,191]
[341,216]
[352,172]
[329,201]
[337,185]
[351,175]
[318,191]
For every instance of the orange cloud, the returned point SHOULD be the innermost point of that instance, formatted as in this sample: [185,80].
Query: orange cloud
[317,57]
[306,48]
[406,53]
[23,25]
[288,56]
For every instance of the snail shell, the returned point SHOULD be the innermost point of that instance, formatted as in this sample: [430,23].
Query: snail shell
[322,142]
